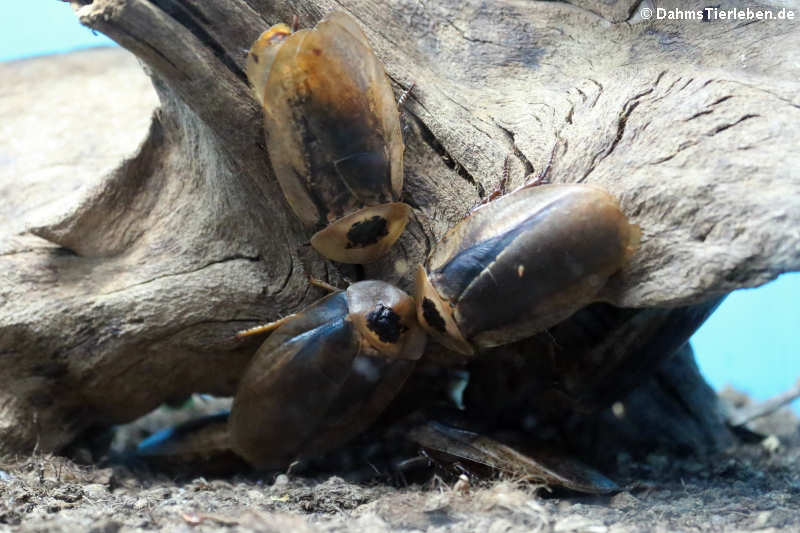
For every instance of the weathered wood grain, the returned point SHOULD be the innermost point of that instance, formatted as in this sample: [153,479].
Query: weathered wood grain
[122,285]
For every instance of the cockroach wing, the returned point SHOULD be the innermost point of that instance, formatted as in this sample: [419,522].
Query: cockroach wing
[381,98]
[313,385]
[545,465]
[529,260]
[297,371]
[333,130]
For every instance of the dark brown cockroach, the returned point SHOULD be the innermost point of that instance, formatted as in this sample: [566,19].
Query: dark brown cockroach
[522,263]
[333,135]
[325,374]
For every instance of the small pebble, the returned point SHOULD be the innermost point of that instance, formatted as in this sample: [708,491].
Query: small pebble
[623,500]
[462,485]
[772,444]
[762,519]
[255,495]
[95,491]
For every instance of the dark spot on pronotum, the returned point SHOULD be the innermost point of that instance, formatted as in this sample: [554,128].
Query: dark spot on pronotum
[385,323]
[255,57]
[432,316]
[367,232]
[317,51]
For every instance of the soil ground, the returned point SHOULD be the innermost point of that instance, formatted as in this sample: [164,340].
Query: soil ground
[752,487]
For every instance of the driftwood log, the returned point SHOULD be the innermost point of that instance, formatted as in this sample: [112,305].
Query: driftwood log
[115,302]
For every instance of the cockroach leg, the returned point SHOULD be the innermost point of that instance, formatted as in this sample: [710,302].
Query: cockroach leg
[498,191]
[323,284]
[542,178]
[266,328]
[405,95]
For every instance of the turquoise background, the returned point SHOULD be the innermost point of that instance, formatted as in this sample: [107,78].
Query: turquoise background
[751,342]
[36,27]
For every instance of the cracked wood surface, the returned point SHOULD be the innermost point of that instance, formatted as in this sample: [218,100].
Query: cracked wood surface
[113,274]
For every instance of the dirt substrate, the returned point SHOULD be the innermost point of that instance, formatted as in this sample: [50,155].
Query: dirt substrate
[753,487]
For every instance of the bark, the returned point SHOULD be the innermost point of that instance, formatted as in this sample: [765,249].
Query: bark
[129,295]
